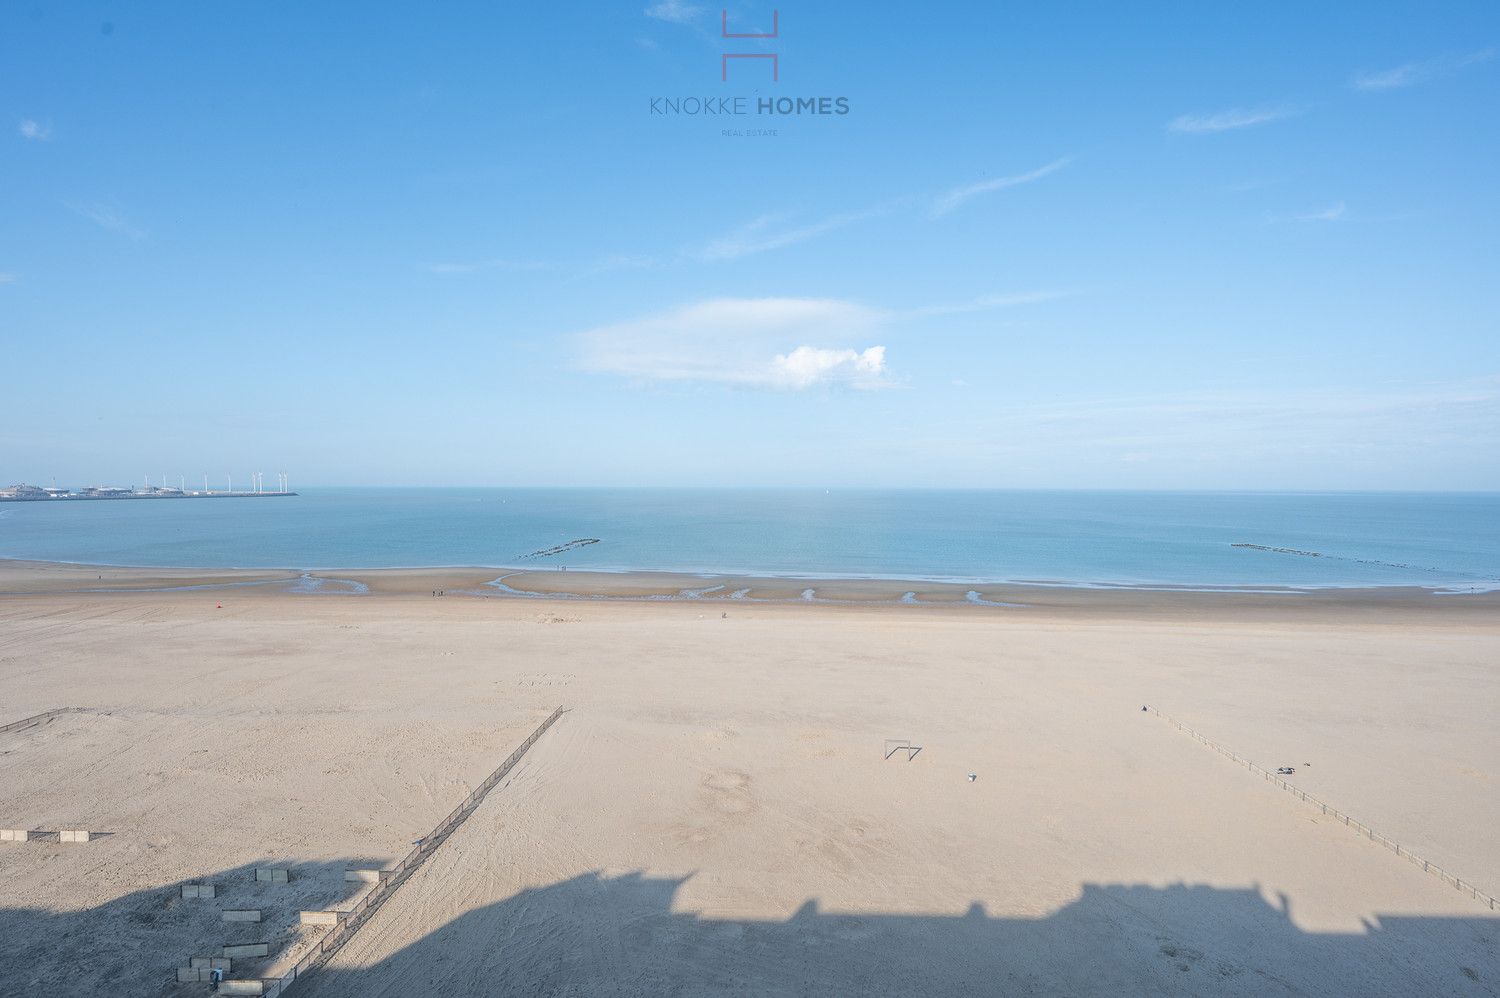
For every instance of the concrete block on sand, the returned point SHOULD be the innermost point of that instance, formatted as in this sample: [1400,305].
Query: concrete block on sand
[193,975]
[73,835]
[272,874]
[241,988]
[363,876]
[209,963]
[14,835]
[197,890]
[247,949]
[320,917]
[240,915]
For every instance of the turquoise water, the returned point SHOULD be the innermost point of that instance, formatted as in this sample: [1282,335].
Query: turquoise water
[1071,538]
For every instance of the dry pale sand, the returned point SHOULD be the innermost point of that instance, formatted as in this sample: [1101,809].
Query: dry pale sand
[714,814]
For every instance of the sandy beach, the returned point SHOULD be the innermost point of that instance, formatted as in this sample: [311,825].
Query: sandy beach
[715,813]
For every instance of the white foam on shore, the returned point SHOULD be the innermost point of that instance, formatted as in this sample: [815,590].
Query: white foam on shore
[312,585]
[973,597]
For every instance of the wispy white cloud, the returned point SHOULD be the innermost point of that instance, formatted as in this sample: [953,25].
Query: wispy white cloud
[478,266]
[984,303]
[621,261]
[1224,121]
[779,343]
[460,268]
[780,230]
[1289,438]
[772,232]
[1332,213]
[674,10]
[1244,186]
[958,195]
[107,217]
[1413,73]
[1277,416]
[567,270]
[7,278]
[35,130]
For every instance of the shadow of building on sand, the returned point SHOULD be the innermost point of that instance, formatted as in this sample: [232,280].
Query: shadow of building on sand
[597,935]
[132,945]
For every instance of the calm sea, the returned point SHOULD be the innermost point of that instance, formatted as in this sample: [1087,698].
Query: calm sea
[1071,538]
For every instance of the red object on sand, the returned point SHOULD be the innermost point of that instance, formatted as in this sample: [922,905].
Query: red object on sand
[218,606]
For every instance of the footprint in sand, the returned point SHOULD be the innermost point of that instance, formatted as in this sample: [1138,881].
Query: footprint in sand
[729,792]
[726,797]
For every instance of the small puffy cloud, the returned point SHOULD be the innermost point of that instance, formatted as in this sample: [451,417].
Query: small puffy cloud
[1224,121]
[35,130]
[807,366]
[784,343]
[1413,73]
[673,10]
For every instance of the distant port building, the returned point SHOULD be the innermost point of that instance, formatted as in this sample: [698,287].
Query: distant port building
[35,493]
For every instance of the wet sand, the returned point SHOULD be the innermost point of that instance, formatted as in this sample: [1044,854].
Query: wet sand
[20,578]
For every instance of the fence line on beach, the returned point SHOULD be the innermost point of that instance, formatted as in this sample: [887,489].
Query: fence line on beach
[390,879]
[42,718]
[1359,827]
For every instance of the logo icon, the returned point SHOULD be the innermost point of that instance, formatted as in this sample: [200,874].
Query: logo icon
[775,58]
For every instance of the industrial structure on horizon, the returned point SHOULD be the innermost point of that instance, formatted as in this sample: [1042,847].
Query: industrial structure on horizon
[36,493]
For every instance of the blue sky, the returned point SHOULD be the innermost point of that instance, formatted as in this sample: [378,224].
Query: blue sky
[1049,245]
